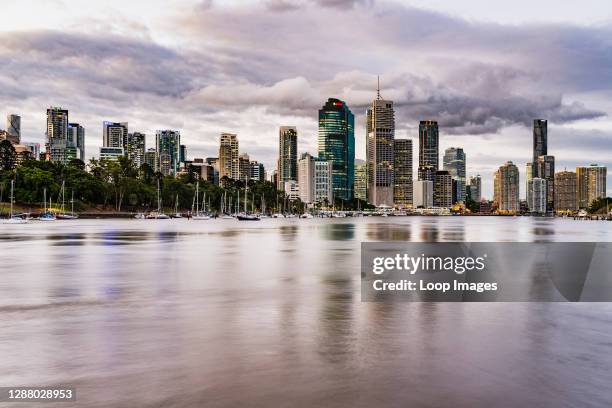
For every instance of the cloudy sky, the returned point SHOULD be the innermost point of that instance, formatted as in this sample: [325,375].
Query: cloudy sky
[248,67]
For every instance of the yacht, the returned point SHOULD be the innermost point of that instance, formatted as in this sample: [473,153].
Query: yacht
[15,218]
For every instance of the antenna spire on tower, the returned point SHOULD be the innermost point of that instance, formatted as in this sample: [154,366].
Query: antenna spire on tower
[378,87]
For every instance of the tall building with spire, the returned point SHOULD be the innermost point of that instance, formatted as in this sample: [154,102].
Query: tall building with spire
[380,134]
[428,150]
[336,142]
[287,155]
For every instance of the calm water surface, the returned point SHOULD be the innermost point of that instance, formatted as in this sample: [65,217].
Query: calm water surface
[219,313]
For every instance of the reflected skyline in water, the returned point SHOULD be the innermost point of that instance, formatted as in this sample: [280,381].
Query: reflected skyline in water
[222,313]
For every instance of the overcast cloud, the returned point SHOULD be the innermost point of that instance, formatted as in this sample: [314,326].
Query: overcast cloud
[206,68]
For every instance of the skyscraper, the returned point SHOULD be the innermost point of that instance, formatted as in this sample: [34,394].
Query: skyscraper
[443,189]
[136,147]
[546,170]
[76,139]
[423,194]
[337,144]
[428,149]
[228,156]
[287,155]
[257,171]
[151,159]
[167,144]
[402,177]
[591,182]
[380,133]
[536,195]
[361,180]
[454,163]
[114,134]
[566,189]
[57,134]
[13,128]
[476,188]
[506,188]
[323,183]
[244,167]
[306,178]
[540,141]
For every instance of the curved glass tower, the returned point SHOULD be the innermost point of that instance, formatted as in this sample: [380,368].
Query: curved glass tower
[337,145]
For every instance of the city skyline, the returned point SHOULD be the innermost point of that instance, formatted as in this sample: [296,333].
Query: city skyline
[484,101]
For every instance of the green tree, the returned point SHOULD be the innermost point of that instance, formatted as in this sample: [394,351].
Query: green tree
[8,156]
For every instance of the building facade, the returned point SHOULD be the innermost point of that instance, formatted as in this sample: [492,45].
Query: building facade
[228,156]
[536,195]
[257,171]
[114,134]
[76,140]
[136,147]
[13,128]
[151,159]
[57,134]
[167,144]
[402,178]
[591,183]
[506,189]
[336,142]
[323,182]
[475,184]
[540,142]
[428,149]
[361,180]
[423,194]
[566,189]
[305,177]
[546,170]
[454,162]
[380,134]
[287,155]
[244,167]
[111,153]
[443,189]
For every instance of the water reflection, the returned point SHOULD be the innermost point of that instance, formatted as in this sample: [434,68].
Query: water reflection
[224,313]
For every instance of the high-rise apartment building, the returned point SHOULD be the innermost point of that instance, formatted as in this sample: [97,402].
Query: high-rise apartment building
[566,189]
[114,134]
[402,178]
[506,188]
[76,140]
[423,194]
[244,167]
[361,180]
[287,155]
[591,183]
[167,144]
[228,156]
[257,171]
[454,162]
[323,182]
[336,142]
[537,195]
[475,184]
[428,149]
[443,189]
[13,128]
[135,147]
[380,134]
[57,134]
[151,159]
[306,175]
